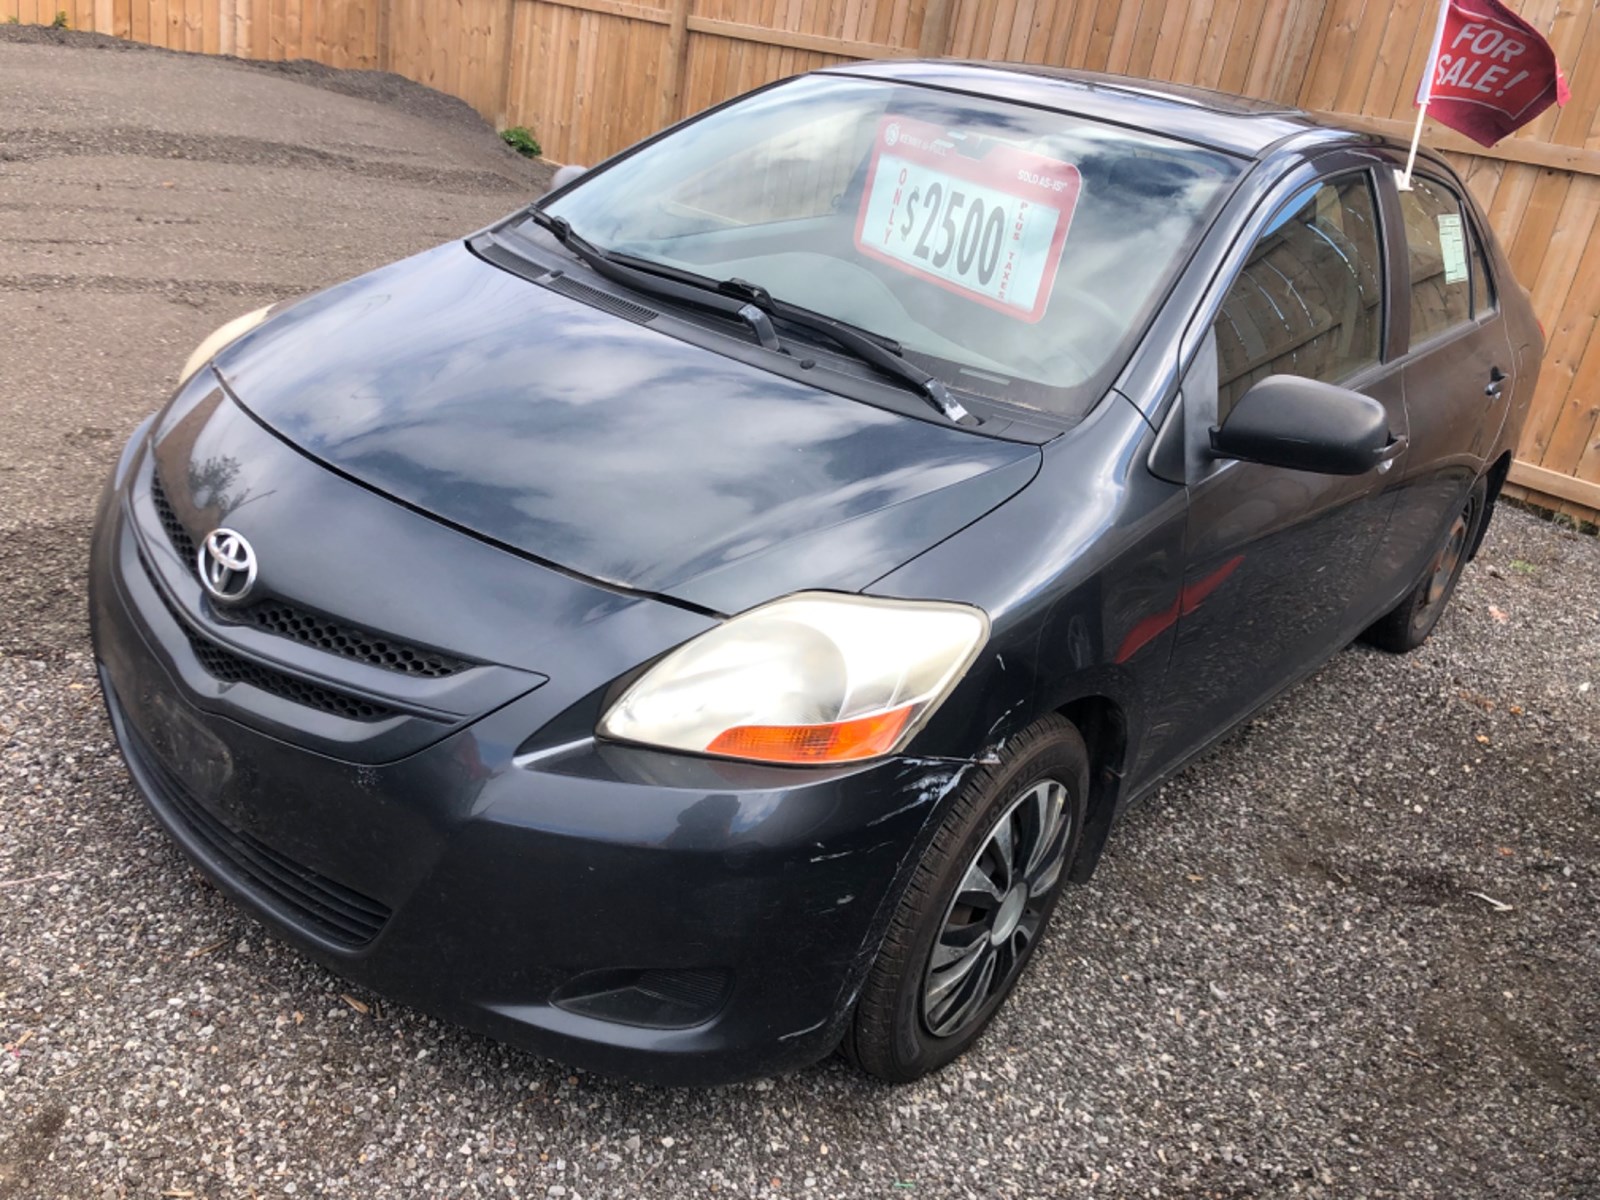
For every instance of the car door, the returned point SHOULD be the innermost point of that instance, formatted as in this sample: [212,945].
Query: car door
[1276,560]
[1456,370]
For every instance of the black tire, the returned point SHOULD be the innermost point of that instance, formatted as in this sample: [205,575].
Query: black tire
[892,1032]
[1408,624]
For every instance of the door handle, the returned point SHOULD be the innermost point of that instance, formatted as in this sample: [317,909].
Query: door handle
[1497,379]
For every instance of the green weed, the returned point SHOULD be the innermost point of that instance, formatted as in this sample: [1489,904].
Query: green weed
[520,138]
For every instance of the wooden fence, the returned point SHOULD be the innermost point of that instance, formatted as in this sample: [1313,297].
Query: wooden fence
[591,76]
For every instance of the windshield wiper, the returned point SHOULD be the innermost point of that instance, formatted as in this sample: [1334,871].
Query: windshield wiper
[641,275]
[563,232]
[756,307]
[883,353]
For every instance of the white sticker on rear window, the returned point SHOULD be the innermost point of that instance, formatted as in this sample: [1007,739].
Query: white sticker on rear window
[990,227]
[1453,245]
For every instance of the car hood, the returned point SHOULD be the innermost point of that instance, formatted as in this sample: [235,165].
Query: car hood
[599,445]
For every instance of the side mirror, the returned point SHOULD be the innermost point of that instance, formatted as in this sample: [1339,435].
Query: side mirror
[563,176]
[1307,425]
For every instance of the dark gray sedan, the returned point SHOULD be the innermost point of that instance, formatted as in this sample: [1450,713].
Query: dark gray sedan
[705,619]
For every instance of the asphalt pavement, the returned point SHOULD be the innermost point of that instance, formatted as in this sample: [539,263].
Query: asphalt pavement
[1353,952]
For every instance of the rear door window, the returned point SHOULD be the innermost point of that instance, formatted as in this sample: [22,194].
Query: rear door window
[1440,248]
[1309,301]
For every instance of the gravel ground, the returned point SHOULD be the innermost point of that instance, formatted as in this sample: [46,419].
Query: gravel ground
[1355,952]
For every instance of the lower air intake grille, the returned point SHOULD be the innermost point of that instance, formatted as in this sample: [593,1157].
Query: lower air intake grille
[224,664]
[328,908]
[652,998]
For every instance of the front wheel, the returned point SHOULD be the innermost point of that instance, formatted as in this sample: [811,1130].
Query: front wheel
[1408,624]
[976,907]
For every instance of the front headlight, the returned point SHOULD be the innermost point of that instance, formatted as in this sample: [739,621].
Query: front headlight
[220,337]
[812,678]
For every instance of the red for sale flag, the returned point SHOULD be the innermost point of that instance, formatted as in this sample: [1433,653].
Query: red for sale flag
[1489,72]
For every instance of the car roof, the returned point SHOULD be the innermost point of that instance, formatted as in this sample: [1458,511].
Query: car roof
[1218,120]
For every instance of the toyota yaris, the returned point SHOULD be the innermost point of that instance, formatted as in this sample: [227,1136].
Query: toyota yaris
[706,618]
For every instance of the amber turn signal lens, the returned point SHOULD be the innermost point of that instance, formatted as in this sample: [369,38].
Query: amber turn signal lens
[841,741]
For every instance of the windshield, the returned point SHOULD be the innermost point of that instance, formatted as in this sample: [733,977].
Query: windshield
[1014,252]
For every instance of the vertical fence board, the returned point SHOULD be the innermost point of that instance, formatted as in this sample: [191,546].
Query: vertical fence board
[1214,47]
[1561,420]
[1146,37]
[1582,45]
[1541,14]
[1239,50]
[1584,389]
[1372,31]
[1538,222]
[1175,42]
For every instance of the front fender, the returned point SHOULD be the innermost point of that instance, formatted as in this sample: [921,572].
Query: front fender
[1081,575]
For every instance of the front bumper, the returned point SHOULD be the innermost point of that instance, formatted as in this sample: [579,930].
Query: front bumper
[506,890]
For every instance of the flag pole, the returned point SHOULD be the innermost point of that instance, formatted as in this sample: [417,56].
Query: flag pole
[1424,94]
[1404,183]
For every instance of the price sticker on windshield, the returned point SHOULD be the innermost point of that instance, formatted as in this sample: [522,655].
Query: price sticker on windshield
[988,226]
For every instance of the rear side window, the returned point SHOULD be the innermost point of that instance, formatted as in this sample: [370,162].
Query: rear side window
[1309,301]
[1442,249]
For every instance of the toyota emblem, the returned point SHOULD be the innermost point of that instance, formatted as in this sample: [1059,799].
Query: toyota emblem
[227,566]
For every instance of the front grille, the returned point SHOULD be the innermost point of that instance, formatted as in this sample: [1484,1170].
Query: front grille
[223,664]
[182,541]
[348,641]
[332,910]
[307,627]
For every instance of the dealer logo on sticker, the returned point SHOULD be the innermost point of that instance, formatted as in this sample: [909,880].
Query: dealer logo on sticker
[989,228]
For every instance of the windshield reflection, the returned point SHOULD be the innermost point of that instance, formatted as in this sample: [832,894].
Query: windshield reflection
[1015,252]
